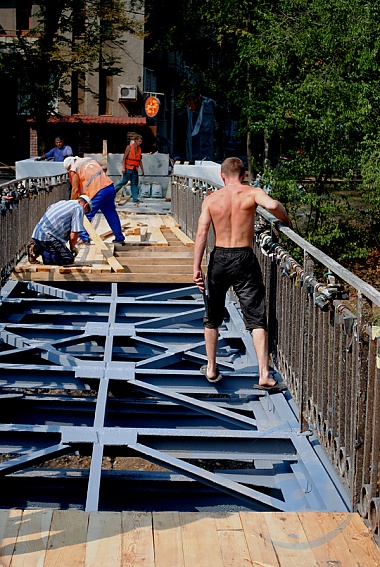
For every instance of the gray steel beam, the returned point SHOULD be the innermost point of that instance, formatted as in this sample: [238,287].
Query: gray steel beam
[124,363]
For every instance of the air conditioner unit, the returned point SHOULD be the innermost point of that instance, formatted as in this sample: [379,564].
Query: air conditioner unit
[127,92]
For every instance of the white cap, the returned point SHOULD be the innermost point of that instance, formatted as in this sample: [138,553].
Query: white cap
[87,199]
[69,161]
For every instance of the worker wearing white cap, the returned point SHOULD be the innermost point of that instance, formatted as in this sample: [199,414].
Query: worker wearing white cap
[59,226]
[87,177]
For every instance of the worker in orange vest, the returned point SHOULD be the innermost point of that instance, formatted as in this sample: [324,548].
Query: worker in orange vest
[130,167]
[87,177]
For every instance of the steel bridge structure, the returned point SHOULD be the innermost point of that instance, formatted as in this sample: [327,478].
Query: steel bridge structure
[103,406]
[112,372]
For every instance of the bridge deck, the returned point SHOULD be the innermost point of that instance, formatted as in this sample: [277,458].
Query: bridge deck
[47,538]
[155,250]
[107,370]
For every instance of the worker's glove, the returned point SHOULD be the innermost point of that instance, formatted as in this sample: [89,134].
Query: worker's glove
[74,251]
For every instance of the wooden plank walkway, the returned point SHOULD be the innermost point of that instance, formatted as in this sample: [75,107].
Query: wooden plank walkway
[156,250]
[55,538]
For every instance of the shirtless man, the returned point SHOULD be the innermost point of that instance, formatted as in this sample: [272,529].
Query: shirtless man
[231,211]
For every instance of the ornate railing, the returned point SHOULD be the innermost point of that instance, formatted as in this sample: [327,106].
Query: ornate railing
[324,340]
[22,204]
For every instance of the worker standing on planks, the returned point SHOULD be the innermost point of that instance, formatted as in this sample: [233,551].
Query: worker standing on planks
[87,177]
[231,211]
[131,163]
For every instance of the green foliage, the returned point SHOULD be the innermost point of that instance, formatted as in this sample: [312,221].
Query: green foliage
[71,36]
[304,77]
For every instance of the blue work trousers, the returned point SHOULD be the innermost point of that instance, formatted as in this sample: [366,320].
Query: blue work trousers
[53,252]
[132,176]
[104,201]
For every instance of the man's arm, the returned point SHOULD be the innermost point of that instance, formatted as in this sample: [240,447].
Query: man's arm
[68,151]
[200,245]
[126,154]
[271,205]
[73,239]
[75,185]
[48,155]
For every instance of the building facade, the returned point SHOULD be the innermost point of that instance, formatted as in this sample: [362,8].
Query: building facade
[100,106]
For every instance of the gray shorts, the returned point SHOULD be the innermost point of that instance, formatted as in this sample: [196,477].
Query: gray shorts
[239,268]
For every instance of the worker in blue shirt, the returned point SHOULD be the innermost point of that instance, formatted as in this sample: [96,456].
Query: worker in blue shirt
[59,226]
[59,152]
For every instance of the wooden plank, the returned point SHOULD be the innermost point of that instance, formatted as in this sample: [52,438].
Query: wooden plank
[44,268]
[227,520]
[170,221]
[150,260]
[64,270]
[103,545]
[105,153]
[99,243]
[143,233]
[137,540]
[9,527]
[289,539]
[259,540]
[234,548]
[325,537]
[154,221]
[150,248]
[167,539]
[161,269]
[155,234]
[232,540]
[182,236]
[89,253]
[360,541]
[67,539]
[106,277]
[30,549]
[200,540]
[104,230]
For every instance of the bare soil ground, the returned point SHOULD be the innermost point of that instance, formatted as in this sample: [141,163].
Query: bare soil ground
[369,270]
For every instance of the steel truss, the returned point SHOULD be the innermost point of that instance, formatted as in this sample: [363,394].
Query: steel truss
[111,371]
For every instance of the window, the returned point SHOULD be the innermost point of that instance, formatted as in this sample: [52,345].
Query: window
[23,14]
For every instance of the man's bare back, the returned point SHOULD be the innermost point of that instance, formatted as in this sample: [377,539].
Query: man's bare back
[232,211]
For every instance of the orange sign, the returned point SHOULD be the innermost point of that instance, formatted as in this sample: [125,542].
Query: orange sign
[152,106]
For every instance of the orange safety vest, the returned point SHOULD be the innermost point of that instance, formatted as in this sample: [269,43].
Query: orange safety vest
[91,176]
[134,157]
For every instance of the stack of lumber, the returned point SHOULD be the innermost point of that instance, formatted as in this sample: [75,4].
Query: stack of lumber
[155,250]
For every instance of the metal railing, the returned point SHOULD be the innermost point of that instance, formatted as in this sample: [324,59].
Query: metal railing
[325,344]
[23,202]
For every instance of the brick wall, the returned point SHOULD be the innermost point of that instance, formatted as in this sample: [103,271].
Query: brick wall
[33,143]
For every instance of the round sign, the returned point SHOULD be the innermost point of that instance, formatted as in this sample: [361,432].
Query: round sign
[152,106]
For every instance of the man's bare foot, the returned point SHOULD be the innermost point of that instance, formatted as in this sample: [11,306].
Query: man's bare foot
[270,381]
[266,379]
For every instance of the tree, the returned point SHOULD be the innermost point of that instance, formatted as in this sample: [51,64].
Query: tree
[301,78]
[71,37]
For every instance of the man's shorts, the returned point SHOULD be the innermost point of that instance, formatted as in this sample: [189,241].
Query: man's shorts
[239,268]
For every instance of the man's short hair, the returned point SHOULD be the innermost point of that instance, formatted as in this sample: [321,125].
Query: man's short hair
[233,166]
[137,137]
